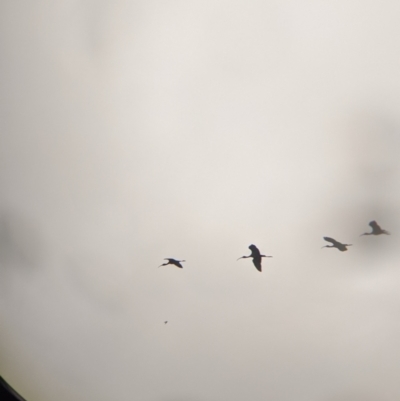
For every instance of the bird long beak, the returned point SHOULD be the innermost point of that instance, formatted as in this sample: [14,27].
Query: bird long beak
[242,257]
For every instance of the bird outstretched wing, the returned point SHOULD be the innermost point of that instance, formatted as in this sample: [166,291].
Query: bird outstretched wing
[331,240]
[257,264]
[254,250]
[374,225]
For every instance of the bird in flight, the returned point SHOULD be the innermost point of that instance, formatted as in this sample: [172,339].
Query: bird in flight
[336,244]
[173,262]
[257,257]
[166,322]
[376,229]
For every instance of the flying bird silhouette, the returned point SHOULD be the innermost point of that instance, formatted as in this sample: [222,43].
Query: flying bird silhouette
[173,262]
[336,244]
[257,257]
[376,229]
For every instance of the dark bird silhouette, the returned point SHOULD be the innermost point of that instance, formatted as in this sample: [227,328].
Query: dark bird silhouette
[257,257]
[336,244]
[166,322]
[173,262]
[376,229]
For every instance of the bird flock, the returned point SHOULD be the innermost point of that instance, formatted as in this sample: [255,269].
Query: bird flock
[257,257]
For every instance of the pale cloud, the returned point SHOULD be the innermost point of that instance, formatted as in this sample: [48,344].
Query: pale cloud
[136,131]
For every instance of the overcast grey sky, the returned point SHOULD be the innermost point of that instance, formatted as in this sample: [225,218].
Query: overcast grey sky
[132,131]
